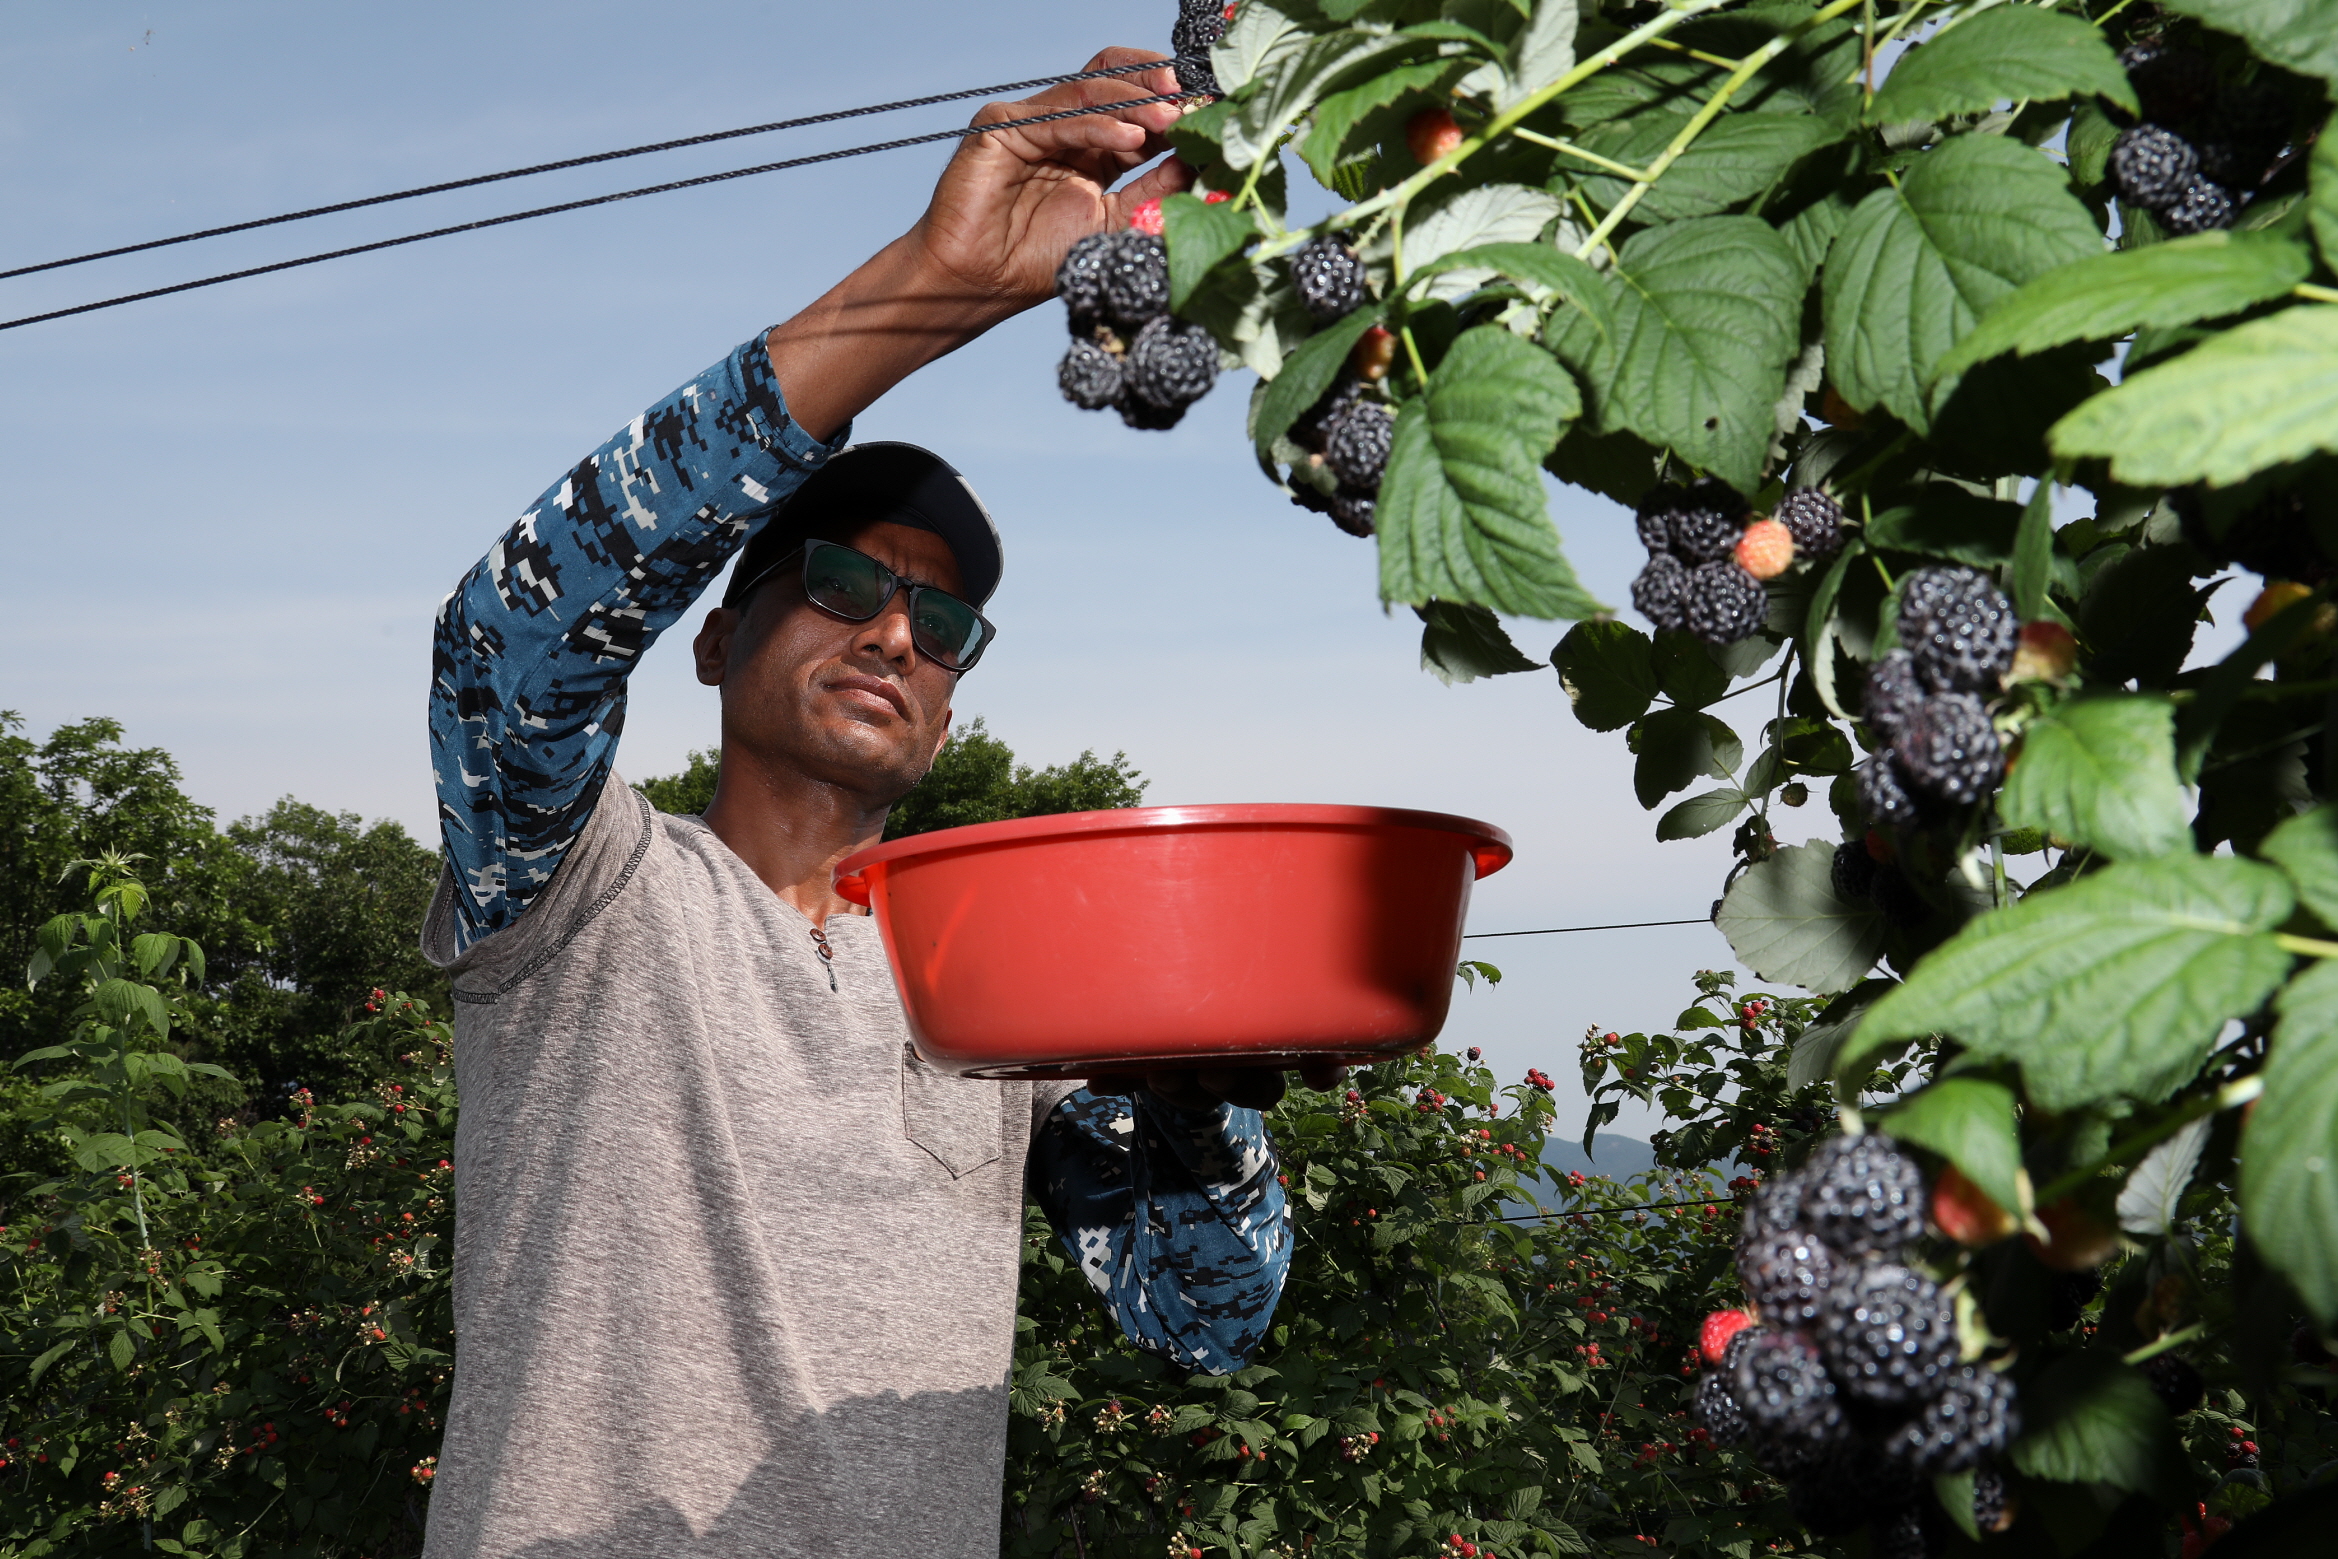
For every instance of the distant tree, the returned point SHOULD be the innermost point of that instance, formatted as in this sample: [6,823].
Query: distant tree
[975,780]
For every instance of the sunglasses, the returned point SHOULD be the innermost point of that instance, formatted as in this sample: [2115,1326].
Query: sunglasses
[856,587]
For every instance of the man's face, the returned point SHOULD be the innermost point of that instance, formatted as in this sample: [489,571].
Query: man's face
[853,705]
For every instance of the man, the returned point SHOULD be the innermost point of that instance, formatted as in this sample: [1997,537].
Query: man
[734,1271]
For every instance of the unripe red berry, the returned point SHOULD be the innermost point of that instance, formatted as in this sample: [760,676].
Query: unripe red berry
[1766,549]
[1431,134]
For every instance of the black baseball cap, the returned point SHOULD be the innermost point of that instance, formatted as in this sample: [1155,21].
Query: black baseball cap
[881,481]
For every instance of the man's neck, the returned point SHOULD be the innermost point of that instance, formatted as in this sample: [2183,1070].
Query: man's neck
[791,830]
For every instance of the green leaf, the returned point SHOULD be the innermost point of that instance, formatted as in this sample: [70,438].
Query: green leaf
[1734,159]
[1970,1122]
[1678,746]
[1707,316]
[2259,395]
[1307,373]
[1916,267]
[1259,33]
[1464,643]
[1946,521]
[1542,265]
[154,953]
[40,1366]
[121,1350]
[1543,51]
[1293,79]
[1813,1057]
[2092,1419]
[2116,984]
[2033,555]
[2306,847]
[1701,814]
[102,1150]
[2324,173]
[2301,34]
[2289,1154]
[1200,235]
[1608,671]
[2009,54]
[1686,670]
[2101,772]
[1461,512]
[2154,1193]
[1954,1491]
[1473,219]
[1783,920]
[1339,113]
[2106,296]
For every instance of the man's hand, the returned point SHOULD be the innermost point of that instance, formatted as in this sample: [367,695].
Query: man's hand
[1008,207]
[1011,204]
[1252,1087]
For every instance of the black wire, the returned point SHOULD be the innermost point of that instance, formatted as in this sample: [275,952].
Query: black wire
[601,200]
[1628,925]
[579,162]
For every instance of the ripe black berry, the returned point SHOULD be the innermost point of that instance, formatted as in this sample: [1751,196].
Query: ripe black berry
[1853,871]
[1972,1417]
[1887,1335]
[2171,84]
[1330,279]
[1658,593]
[1079,281]
[1787,1276]
[1958,628]
[1883,795]
[1914,1531]
[1355,446]
[1134,285]
[1354,511]
[1893,695]
[1845,1488]
[1654,516]
[1717,1410]
[2204,207]
[1195,73]
[1313,429]
[1861,1196]
[1898,899]
[2175,1382]
[1147,416]
[1724,603]
[1782,1389]
[1172,364]
[1992,1505]
[1952,752]
[1705,521]
[2152,165]
[1199,26]
[1090,376]
[1814,520]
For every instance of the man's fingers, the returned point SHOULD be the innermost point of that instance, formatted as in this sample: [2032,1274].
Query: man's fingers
[1169,178]
[1252,1087]
[1323,1075]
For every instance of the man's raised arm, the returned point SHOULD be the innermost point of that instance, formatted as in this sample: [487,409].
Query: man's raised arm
[532,650]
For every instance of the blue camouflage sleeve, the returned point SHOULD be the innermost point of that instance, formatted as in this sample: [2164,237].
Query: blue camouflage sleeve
[532,650]
[1177,1217]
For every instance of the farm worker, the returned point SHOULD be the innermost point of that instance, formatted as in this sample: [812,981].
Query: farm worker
[735,1272]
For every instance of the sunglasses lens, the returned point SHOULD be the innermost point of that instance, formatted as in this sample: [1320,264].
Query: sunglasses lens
[845,582]
[946,628]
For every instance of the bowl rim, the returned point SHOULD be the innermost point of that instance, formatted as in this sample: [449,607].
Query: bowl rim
[1491,846]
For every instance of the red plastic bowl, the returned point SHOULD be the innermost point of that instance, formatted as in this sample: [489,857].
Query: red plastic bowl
[1175,936]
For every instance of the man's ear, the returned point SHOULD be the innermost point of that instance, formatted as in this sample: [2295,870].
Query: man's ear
[712,647]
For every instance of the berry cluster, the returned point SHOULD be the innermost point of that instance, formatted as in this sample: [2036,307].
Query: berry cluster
[2201,146]
[1850,1386]
[1924,700]
[1346,434]
[1128,351]
[1708,557]
[1200,24]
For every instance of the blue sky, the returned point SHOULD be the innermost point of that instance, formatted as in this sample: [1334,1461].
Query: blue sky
[231,514]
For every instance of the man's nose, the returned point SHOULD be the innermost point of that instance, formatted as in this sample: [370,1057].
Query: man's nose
[888,634]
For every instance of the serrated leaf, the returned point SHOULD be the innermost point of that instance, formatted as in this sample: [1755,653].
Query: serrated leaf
[1608,671]
[2009,54]
[2092,1419]
[1464,643]
[1946,521]
[1676,747]
[121,1350]
[1707,316]
[2260,395]
[2289,1153]
[1916,267]
[1734,159]
[1954,1491]
[1783,920]
[1258,33]
[1200,235]
[1686,670]
[2301,34]
[1540,265]
[1543,51]
[1489,214]
[1306,374]
[103,1150]
[1292,79]
[2149,1201]
[2117,984]
[2033,555]
[1813,1057]
[2109,295]
[2102,772]
[1337,116]
[1462,511]
[2323,212]
[1701,814]
[1970,1122]
[2306,848]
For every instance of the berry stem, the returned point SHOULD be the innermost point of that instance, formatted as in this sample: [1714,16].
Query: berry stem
[2231,1096]
[2152,1350]
[1637,176]
[2313,293]
[2306,946]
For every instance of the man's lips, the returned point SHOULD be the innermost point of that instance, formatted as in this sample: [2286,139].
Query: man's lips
[873,687]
